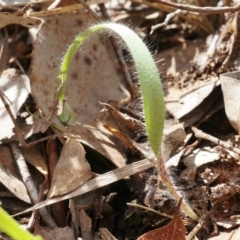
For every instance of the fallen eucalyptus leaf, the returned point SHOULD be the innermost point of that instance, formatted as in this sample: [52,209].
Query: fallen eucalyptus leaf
[71,171]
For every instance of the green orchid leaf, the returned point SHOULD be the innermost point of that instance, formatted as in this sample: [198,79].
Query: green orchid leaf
[12,228]
[151,89]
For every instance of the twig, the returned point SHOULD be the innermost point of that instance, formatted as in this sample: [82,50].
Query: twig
[167,19]
[200,224]
[27,179]
[200,134]
[44,139]
[31,221]
[150,209]
[203,10]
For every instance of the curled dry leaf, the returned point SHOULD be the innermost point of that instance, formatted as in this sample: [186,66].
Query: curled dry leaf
[128,121]
[10,176]
[72,169]
[175,230]
[124,139]
[100,139]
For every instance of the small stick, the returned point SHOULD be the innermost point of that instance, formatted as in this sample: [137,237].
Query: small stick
[27,179]
[200,224]
[202,10]
[200,134]
[151,210]
[167,19]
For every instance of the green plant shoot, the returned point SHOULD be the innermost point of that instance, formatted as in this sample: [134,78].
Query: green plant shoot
[151,88]
[12,228]
[147,72]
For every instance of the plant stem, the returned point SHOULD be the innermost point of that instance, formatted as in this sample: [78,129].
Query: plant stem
[165,178]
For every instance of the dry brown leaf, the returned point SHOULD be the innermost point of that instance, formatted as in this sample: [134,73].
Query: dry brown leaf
[7,18]
[71,171]
[100,139]
[93,76]
[175,230]
[10,176]
[34,157]
[132,123]
[120,135]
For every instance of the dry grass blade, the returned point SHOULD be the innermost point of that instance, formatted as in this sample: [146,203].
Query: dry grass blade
[100,181]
